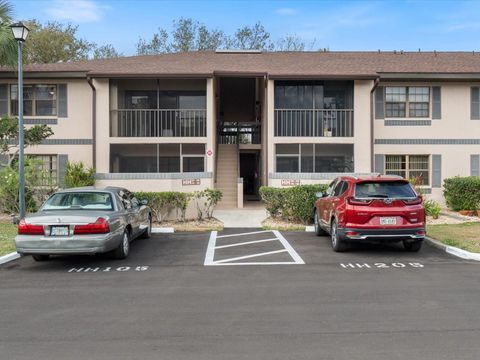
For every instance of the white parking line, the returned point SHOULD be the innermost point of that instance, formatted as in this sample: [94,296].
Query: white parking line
[287,248]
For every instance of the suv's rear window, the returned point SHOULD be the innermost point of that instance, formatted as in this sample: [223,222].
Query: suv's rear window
[79,201]
[390,189]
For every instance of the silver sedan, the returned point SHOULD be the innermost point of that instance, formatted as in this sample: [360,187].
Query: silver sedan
[85,221]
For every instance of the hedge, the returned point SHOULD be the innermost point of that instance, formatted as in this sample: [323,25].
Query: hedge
[462,193]
[162,203]
[293,203]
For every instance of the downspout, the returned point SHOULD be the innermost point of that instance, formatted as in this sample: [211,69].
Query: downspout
[372,126]
[94,122]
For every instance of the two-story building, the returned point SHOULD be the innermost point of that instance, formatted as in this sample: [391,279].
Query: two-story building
[238,120]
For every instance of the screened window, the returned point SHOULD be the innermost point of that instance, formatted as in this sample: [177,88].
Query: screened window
[153,158]
[46,166]
[38,100]
[409,167]
[405,102]
[314,158]
[182,100]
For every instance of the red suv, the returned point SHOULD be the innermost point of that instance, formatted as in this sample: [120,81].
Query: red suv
[374,208]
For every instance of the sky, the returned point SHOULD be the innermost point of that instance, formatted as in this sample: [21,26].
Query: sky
[407,25]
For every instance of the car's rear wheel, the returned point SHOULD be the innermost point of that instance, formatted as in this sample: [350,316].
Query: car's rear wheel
[338,244]
[41,257]
[316,223]
[147,233]
[121,252]
[412,246]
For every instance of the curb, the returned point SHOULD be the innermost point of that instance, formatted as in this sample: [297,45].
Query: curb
[310,228]
[452,250]
[163,230]
[9,257]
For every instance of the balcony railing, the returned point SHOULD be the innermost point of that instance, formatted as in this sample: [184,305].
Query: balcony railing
[241,133]
[158,123]
[314,122]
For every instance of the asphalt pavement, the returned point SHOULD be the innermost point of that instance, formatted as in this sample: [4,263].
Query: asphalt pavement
[238,295]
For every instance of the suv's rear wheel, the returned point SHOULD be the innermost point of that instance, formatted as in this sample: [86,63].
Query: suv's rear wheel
[412,246]
[338,244]
[316,223]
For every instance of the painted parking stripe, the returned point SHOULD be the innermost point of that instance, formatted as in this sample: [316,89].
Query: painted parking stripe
[234,261]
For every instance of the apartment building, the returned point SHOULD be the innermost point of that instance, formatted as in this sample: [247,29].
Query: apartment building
[238,120]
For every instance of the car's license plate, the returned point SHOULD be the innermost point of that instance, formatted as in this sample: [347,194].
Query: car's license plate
[59,231]
[388,221]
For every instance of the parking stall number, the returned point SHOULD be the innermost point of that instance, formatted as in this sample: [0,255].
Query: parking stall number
[107,269]
[379,265]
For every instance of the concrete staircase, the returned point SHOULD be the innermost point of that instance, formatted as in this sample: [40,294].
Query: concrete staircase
[227,167]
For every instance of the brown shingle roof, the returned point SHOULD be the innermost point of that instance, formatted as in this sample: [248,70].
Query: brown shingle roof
[275,64]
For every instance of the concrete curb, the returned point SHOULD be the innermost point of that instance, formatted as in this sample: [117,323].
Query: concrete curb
[9,257]
[163,230]
[310,228]
[464,254]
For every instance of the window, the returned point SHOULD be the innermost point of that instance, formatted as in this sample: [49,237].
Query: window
[340,188]
[38,100]
[407,102]
[314,158]
[182,100]
[394,189]
[79,201]
[157,158]
[409,167]
[46,169]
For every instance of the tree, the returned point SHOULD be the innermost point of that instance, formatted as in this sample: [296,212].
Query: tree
[9,137]
[54,42]
[106,51]
[8,46]
[290,42]
[251,38]
[158,44]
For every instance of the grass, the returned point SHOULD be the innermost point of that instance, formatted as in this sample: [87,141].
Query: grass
[193,225]
[281,225]
[465,236]
[7,236]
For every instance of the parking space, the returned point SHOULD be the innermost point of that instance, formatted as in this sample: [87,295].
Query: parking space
[163,302]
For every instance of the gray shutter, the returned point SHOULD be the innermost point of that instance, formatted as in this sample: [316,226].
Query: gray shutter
[380,163]
[436,103]
[380,103]
[475,103]
[436,171]
[62,164]
[3,99]
[62,100]
[475,165]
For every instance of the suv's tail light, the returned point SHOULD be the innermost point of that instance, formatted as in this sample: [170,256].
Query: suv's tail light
[414,201]
[355,201]
[98,227]
[29,229]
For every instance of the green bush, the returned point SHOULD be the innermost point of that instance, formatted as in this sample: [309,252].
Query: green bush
[77,175]
[293,203]
[462,193]
[162,203]
[432,208]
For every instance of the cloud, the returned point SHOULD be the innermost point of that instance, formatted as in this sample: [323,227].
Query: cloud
[79,11]
[286,11]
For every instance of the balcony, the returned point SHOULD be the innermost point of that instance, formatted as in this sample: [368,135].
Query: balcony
[314,122]
[241,133]
[158,123]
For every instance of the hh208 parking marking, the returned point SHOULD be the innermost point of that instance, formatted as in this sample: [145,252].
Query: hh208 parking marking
[287,248]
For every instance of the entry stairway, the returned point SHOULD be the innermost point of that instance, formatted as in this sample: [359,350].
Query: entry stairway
[227,169]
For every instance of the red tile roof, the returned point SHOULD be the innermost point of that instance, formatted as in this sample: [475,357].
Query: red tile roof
[273,64]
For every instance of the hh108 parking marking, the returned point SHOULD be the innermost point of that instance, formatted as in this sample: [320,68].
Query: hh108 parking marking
[277,236]
[107,269]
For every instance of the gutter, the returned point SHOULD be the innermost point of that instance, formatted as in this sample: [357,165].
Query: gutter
[372,126]
[94,122]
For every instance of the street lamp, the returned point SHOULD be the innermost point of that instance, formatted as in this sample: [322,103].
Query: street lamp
[20,33]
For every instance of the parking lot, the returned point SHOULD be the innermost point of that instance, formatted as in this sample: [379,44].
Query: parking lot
[242,294]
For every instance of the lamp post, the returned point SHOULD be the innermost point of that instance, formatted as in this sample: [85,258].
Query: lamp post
[20,33]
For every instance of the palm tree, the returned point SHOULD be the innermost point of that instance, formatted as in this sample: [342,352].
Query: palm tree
[8,47]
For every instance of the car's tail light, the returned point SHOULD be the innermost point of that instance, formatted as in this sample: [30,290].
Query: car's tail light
[414,201]
[29,229]
[355,201]
[98,227]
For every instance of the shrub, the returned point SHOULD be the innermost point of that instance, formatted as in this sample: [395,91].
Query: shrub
[462,193]
[77,175]
[432,208]
[162,203]
[294,203]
